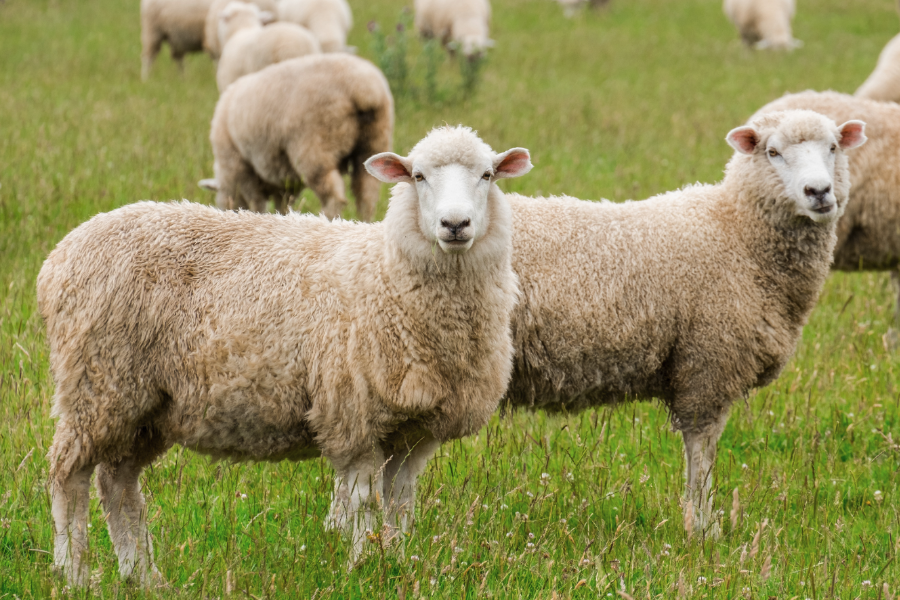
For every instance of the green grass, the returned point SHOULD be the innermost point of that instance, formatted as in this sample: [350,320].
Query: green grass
[623,104]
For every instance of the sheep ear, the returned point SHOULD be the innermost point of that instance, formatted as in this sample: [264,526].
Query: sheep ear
[209,184]
[512,163]
[743,139]
[389,168]
[853,134]
[265,17]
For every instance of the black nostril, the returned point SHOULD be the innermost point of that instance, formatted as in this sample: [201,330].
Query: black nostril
[455,227]
[818,194]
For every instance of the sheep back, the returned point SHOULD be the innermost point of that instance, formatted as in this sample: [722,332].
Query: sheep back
[211,42]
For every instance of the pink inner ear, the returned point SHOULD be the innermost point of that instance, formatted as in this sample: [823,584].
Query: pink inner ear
[390,168]
[852,134]
[743,139]
[514,164]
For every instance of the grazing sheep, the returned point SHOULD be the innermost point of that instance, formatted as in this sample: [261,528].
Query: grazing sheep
[868,235]
[763,23]
[692,297]
[265,338]
[211,42]
[299,123]
[329,20]
[884,82]
[248,47]
[456,23]
[179,22]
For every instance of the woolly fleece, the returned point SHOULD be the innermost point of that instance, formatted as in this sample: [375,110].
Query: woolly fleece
[179,22]
[329,20]
[456,21]
[763,23]
[211,42]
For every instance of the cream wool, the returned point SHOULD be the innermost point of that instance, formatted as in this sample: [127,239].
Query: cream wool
[328,20]
[884,82]
[264,337]
[178,22]
[211,42]
[301,122]
[692,297]
[249,47]
[464,22]
[763,23]
[868,235]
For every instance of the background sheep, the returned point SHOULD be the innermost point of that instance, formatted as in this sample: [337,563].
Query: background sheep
[211,42]
[362,342]
[868,235]
[249,47]
[693,297]
[329,20]
[884,82]
[179,22]
[300,123]
[763,23]
[464,22]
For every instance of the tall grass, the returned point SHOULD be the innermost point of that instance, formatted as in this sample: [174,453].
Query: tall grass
[622,104]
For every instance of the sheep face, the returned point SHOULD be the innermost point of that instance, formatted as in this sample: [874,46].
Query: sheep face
[453,196]
[802,151]
[240,15]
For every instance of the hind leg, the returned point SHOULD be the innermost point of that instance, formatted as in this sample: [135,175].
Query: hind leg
[126,514]
[366,190]
[70,476]
[329,187]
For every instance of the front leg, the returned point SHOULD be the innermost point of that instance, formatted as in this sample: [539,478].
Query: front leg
[358,494]
[401,475]
[700,457]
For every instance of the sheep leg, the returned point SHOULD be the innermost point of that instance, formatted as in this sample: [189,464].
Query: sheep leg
[126,518]
[401,475]
[70,501]
[329,187]
[366,190]
[358,497]
[151,43]
[700,457]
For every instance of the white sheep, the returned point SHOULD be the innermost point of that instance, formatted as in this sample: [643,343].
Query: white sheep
[763,23]
[884,82]
[868,235]
[178,22]
[265,338]
[211,42]
[456,23]
[692,297]
[329,20]
[248,47]
[300,123]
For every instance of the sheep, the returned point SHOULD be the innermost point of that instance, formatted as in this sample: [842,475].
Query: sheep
[691,297]
[179,22]
[211,43]
[264,338]
[868,235]
[570,7]
[247,46]
[299,123]
[763,23]
[884,82]
[329,20]
[456,23]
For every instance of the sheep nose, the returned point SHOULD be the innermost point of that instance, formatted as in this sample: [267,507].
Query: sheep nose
[454,226]
[818,194]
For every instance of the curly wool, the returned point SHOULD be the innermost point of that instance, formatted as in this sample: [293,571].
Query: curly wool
[328,20]
[211,43]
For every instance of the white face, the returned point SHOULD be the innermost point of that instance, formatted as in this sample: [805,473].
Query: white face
[453,203]
[807,172]
[453,198]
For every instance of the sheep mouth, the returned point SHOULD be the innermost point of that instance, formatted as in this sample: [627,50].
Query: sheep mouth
[824,209]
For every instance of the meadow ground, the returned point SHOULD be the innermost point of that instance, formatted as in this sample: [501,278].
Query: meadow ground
[622,104]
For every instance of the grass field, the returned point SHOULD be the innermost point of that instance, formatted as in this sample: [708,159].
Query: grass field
[622,104]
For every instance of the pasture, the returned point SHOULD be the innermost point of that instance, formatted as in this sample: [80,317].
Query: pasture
[621,104]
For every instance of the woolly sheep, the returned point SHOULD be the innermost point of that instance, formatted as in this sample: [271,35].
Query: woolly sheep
[456,22]
[179,22]
[211,42]
[692,297]
[247,46]
[299,123]
[868,235]
[763,23]
[884,82]
[265,338]
[329,20]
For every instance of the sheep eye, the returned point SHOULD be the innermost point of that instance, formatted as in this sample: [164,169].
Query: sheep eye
[419,177]
[833,148]
[487,175]
[773,153]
